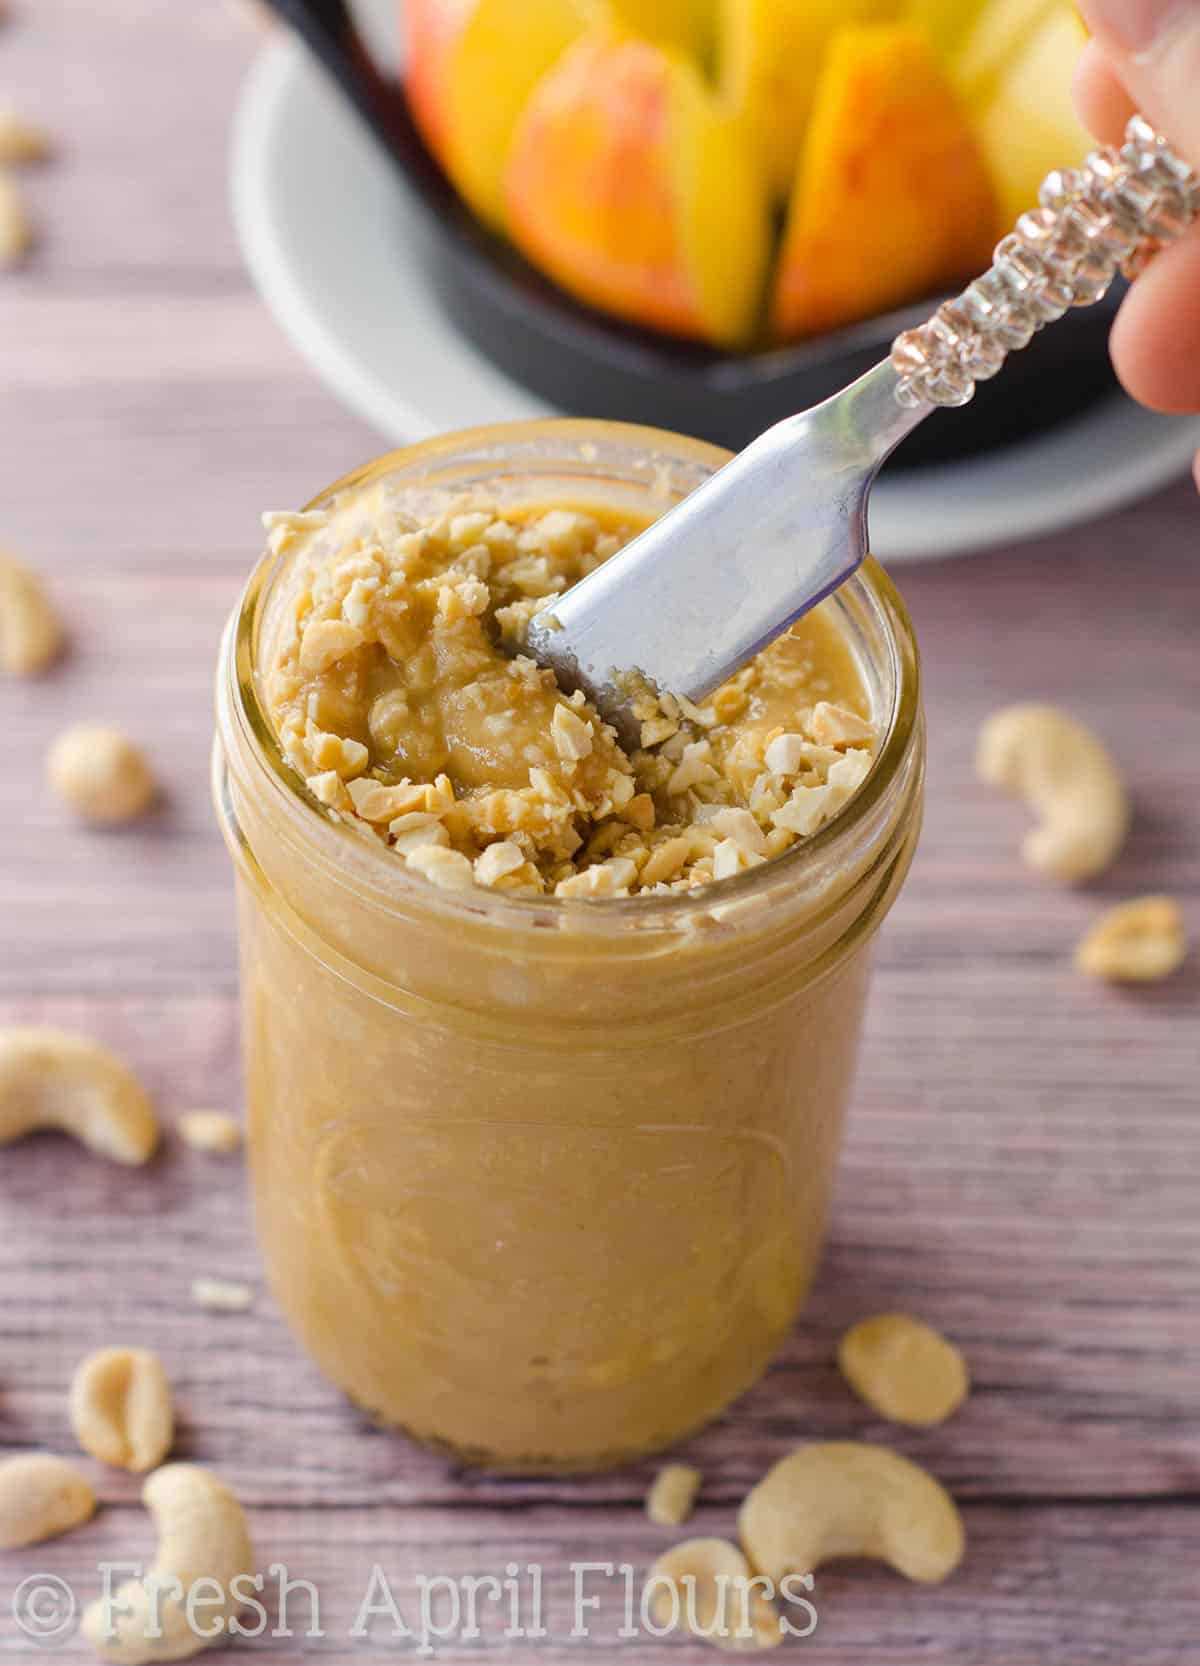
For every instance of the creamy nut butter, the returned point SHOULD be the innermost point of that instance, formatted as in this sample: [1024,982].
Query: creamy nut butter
[548,1039]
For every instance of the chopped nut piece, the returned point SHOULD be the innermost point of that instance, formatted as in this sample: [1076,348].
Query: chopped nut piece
[214,1131]
[222,1296]
[1142,941]
[21,141]
[838,726]
[497,861]
[572,736]
[786,754]
[326,642]
[592,882]
[448,869]
[740,826]
[330,789]
[669,1501]
[666,860]
[16,232]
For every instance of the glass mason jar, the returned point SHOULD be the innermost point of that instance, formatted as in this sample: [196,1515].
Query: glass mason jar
[542,1181]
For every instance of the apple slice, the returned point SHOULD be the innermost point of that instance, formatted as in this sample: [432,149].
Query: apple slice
[628,186]
[946,22]
[1029,126]
[892,197]
[1000,34]
[770,54]
[472,65]
[685,24]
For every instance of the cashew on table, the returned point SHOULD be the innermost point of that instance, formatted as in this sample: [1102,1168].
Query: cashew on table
[1069,782]
[847,1498]
[201,1578]
[52,1079]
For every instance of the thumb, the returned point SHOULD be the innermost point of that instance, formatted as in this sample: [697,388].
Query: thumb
[1154,46]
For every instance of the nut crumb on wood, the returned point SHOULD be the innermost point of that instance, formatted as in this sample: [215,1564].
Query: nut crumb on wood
[670,1499]
[215,1131]
[100,774]
[220,1295]
[21,141]
[16,228]
[1142,941]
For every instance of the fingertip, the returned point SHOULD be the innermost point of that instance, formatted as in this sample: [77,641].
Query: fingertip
[1156,337]
[1103,104]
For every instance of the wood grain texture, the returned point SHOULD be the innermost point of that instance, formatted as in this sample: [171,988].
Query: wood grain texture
[1024,1153]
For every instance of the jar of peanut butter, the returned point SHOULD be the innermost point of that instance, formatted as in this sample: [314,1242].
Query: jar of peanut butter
[549,1035]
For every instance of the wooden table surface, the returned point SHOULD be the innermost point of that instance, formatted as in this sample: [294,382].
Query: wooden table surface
[1023,1159]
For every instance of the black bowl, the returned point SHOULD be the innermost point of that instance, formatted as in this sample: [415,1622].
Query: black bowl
[591,365]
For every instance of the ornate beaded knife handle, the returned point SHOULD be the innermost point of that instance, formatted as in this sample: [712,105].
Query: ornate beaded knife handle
[1112,215]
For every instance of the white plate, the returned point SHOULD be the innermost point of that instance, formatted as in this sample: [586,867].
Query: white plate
[321,221]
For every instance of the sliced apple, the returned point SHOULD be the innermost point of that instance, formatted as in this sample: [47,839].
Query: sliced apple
[472,65]
[946,22]
[1000,34]
[1029,125]
[892,197]
[684,24]
[770,54]
[628,186]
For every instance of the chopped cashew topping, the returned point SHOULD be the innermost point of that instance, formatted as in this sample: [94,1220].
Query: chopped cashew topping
[1142,941]
[836,726]
[402,698]
[121,1409]
[100,774]
[202,1572]
[846,1498]
[214,1131]
[30,634]
[1069,782]
[705,1587]
[52,1079]
[669,1501]
[903,1369]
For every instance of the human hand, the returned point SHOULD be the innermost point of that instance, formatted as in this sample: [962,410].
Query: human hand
[1145,55]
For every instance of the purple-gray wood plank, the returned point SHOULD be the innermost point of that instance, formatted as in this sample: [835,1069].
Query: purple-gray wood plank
[1023,1159]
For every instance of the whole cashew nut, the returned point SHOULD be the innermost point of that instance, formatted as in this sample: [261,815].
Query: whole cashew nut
[121,1408]
[1069,782]
[201,1578]
[30,634]
[846,1498]
[40,1497]
[52,1079]
[705,1587]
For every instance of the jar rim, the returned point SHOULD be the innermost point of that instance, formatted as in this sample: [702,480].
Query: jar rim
[368,867]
